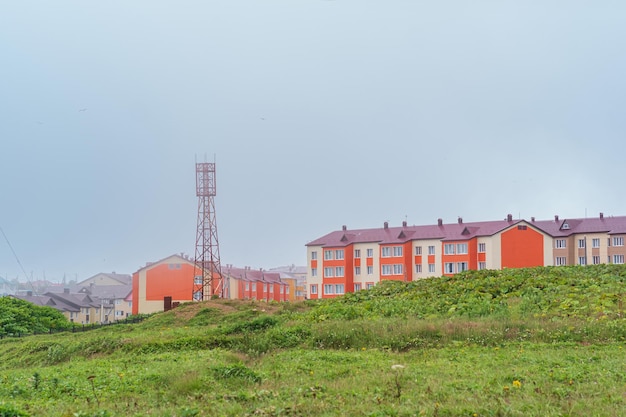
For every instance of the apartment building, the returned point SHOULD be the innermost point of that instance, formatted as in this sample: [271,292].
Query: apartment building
[349,260]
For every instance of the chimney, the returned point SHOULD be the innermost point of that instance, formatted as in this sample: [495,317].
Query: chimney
[509,217]
[29,293]
[556,218]
[404,223]
[386,225]
[344,228]
[439,222]
[532,219]
[601,216]
[460,220]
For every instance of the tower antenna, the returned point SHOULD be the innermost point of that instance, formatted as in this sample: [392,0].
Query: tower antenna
[208,279]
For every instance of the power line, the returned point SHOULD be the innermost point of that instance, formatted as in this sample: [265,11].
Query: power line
[16,258]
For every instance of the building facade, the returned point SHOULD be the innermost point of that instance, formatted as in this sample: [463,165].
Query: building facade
[350,260]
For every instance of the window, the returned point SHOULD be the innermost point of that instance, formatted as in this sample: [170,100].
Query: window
[418,269]
[618,259]
[397,251]
[314,289]
[560,243]
[254,286]
[397,269]
[264,287]
[329,272]
[431,250]
[357,253]
[197,295]
[461,248]
[329,289]
[247,286]
[461,266]
[313,272]
[581,244]
[618,241]
[370,285]
[385,251]
[313,255]
[595,243]
[339,289]
[370,253]
[482,247]
[582,260]
[370,270]
[328,255]
[357,287]
[431,268]
[339,271]
[339,254]
[522,227]
[418,250]
[357,270]
[282,289]
[448,249]
[448,268]
[287,289]
[271,288]
[197,280]
[482,265]
[596,260]
[386,270]
[560,260]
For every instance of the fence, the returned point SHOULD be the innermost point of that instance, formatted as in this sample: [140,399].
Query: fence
[76,328]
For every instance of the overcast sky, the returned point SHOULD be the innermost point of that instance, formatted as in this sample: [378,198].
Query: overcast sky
[318,114]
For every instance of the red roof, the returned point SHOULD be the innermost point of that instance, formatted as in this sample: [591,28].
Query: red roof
[466,231]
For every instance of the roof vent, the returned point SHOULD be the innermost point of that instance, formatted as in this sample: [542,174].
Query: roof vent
[460,220]
[439,222]
[509,217]
[386,225]
[344,228]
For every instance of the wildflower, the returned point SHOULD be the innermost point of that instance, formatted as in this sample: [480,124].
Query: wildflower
[363,348]
[506,388]
[517,384]
[311,373]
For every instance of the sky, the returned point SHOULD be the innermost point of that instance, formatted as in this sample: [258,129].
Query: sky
[317,113]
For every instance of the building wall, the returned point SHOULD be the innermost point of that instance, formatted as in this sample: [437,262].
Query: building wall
[522,246]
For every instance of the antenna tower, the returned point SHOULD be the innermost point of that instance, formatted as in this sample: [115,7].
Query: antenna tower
[208,279]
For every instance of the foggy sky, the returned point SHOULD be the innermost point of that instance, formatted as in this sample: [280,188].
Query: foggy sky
[318,113]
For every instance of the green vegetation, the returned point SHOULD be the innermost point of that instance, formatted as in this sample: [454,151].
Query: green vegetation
[531,342]
[21,317]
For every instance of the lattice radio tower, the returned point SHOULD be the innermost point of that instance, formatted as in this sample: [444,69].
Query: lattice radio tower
[207,259]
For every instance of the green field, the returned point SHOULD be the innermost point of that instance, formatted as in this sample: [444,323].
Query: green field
[529,342]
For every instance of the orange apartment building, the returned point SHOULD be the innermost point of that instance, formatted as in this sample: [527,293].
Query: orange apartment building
[172,278]
[350,260]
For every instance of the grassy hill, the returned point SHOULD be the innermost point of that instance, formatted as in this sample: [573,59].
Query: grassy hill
[540,341]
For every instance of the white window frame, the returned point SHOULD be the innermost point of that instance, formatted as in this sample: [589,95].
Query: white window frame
[582,260]
[329,272]
[431,250]
[560,243]
[618,259]
[357,286]
[461,266]
[448,249]
[432,268]
[448,268]
[313,272]
[595,242]
[357,270]
[370,270]
[328,255]
[313,288]
[418,250]
[461,248]
[339,254]
[339,272]
[370,253]
[398,251]
[418,268]
[340,289]
[596,260]
[560,260]
[582,243]
[385,252]
[618,241]
[386,270]
[314,255]
[329,289]
[357,253]
[398,269]
[482,247]
[482,265]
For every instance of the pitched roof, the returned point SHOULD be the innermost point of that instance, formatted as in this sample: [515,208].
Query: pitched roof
[248,274]
[121,278]
[466,231]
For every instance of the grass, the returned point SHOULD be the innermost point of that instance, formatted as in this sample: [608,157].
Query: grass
[348,356]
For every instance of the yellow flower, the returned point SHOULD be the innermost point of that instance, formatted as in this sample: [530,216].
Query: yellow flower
[517,384]
[506,388]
